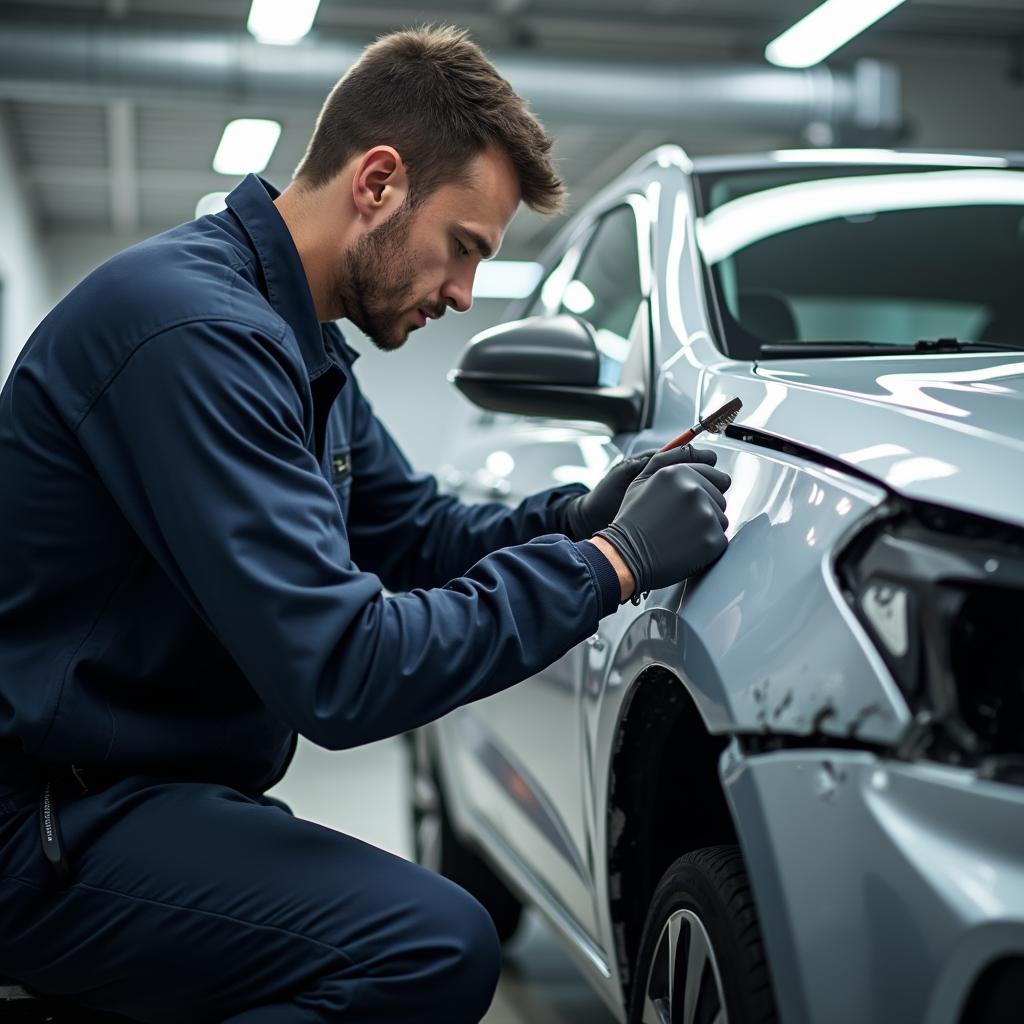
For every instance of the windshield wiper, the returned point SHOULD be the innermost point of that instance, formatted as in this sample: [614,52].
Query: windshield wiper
[829,349]
[962,345]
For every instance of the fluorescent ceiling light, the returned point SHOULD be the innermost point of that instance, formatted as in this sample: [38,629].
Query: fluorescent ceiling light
[824,30]
[212,202]
[505,279]
[281,22]
[246,146]
[751,218]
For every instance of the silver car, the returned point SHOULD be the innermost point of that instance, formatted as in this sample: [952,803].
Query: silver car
[791,788]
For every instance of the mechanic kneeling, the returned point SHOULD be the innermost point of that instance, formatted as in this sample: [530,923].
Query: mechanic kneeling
[201,512]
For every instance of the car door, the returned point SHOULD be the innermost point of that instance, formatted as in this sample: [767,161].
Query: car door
[524,759]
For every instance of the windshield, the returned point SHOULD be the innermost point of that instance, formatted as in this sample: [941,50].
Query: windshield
[888,255]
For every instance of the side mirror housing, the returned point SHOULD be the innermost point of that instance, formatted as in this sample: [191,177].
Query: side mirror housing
[544,366]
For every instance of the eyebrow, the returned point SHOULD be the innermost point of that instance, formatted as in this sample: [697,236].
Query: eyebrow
[484,248]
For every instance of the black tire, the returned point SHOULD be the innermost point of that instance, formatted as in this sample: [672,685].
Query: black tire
[705,896]
[436,845]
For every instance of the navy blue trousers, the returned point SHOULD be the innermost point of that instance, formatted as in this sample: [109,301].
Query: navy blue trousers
[192,902]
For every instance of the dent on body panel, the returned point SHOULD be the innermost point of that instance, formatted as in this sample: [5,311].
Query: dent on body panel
[763,638]
[769,614]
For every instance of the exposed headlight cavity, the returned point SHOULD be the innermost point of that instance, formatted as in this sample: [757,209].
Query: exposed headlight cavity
[885,607]
[941,594]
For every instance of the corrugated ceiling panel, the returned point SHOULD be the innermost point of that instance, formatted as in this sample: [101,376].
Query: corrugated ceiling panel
[56,6]
[184,137]
[219,9]
[60,135]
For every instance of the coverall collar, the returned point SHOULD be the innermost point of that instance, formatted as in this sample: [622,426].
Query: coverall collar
[252,202]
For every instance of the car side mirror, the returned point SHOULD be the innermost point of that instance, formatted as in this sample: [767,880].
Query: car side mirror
[544,366]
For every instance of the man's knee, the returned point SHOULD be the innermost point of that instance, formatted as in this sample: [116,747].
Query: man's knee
[466,975]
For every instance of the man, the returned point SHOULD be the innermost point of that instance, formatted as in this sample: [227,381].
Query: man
[201,514]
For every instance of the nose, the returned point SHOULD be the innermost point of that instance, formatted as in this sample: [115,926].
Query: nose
[458,292]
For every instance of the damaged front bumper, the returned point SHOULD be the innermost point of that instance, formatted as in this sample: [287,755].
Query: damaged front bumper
[884,888]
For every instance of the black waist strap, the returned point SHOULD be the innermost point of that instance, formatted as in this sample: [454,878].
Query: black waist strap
[49,834]
[62,785]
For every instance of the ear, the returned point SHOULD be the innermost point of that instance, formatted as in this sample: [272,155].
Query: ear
[380,183]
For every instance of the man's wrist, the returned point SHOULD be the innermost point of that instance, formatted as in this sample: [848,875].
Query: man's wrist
[626,582]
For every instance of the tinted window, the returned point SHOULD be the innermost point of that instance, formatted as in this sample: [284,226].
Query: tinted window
[882,254]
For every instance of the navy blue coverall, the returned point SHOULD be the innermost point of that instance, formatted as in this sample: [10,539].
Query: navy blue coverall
[200,514]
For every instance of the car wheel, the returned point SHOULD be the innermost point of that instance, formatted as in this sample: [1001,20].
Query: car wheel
[437,846]
[701,956]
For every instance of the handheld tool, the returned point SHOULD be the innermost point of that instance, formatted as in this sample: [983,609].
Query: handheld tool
[713,423]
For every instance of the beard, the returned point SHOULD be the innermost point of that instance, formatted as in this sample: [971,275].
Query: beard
[375,283]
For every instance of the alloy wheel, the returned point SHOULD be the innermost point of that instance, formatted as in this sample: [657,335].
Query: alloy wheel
[684,985]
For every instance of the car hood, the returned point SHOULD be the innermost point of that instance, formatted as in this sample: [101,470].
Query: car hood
[947,429]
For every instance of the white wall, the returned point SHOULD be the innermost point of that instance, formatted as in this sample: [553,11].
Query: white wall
[23,270]
[71,256]
[409,389]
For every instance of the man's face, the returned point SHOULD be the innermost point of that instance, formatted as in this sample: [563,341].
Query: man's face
[423,258]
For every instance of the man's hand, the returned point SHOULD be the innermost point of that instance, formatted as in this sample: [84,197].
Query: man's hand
[587,513]
[672,521]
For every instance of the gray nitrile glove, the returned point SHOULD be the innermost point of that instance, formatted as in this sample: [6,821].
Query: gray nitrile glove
[671,524]
[587,513]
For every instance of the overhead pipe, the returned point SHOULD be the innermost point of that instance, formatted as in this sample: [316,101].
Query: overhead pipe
[100,61]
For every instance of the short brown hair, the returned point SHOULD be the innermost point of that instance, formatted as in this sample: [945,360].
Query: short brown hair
[433,95]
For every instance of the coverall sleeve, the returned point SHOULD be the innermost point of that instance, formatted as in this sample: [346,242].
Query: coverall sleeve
[401,528]
[200,440]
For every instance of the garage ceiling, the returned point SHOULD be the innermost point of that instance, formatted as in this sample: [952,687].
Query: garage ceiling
[128,166]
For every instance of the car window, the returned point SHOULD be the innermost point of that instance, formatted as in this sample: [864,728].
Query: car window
[606,290]
[887,254]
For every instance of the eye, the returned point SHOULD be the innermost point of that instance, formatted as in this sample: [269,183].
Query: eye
[461,249]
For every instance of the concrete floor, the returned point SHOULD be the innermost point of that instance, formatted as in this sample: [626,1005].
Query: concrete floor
[363,793]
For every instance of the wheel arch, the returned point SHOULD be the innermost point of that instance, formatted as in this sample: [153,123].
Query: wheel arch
[665,799]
